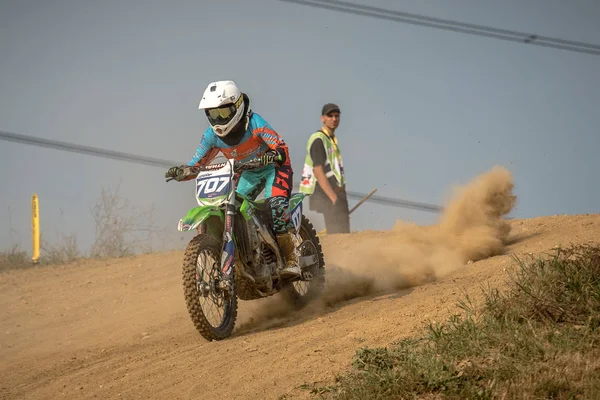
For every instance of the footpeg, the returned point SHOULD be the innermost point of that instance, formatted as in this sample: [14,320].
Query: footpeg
[307,275]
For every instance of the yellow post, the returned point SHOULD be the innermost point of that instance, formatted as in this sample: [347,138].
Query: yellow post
[35,228]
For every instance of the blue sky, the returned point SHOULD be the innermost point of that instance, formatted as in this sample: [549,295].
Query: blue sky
[422,109]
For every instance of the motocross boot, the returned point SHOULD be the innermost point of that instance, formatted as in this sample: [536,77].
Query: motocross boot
[290,255]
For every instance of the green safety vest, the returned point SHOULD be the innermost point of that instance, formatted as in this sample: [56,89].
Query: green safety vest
[334,160]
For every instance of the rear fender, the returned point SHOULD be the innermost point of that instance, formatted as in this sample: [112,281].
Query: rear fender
[198,215]
[295,209]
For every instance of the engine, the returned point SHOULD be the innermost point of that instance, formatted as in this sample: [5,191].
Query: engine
[257,256]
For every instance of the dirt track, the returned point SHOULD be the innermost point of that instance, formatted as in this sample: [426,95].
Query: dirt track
[120,329]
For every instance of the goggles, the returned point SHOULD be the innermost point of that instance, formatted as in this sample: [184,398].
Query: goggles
[222,115]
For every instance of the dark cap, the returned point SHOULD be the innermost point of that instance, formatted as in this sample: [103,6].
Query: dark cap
[329,107]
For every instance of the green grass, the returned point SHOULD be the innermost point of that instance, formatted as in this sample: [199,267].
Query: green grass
[539,339]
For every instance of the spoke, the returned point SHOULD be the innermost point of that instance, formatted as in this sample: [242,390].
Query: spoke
[209,273]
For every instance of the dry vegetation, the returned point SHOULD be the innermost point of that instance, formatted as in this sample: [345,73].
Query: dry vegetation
[121,230]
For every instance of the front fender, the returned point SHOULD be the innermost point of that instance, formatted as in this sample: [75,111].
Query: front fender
[198,215]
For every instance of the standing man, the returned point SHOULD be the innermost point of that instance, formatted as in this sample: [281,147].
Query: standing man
[323,173]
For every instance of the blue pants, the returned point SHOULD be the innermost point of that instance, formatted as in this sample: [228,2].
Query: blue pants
[277,182]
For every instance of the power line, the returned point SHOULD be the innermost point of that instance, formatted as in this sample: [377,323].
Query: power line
[76,148]
[402,203]
[438,23]
[157,162]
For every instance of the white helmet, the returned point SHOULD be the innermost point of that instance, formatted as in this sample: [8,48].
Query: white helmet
[222,102]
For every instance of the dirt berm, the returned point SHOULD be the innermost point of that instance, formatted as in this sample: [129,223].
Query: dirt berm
[119,329]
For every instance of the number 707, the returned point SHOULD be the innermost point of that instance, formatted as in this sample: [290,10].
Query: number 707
[211,185]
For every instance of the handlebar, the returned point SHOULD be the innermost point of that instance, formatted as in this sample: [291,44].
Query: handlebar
[237,166]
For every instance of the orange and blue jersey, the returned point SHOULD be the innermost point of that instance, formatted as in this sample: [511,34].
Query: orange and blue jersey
[258,138]
[277,180]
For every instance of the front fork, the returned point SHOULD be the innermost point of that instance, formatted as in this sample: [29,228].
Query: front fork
[227,254]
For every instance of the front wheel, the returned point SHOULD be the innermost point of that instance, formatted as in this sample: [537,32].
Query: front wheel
[301,292]
[212,310]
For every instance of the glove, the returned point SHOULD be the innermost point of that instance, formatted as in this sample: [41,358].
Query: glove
[272,156]
[173,172]
[269,157]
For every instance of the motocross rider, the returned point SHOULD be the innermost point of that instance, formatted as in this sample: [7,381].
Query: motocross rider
[239,133]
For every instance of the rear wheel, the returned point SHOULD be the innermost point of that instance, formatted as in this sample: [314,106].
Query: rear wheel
[301,292]
[212,310]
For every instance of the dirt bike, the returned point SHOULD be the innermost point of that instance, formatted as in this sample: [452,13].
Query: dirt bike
[236,233]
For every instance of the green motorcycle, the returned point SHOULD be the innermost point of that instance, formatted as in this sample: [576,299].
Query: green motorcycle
[235,253]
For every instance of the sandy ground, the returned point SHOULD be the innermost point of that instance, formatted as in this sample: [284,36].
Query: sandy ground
[120,328]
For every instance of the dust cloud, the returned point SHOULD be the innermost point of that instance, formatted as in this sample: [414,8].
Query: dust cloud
[470,228]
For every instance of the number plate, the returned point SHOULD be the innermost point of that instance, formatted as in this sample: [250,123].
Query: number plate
[213,185]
